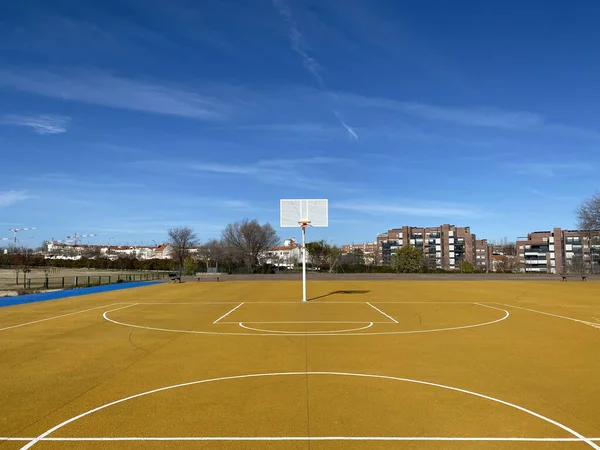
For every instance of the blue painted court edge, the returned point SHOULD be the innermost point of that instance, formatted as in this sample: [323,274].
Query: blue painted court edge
[42,297]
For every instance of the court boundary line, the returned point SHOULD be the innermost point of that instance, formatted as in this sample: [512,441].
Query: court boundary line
[304,438]
[227,313]
[306,373]
[380,311]
[58,317]
[596,325]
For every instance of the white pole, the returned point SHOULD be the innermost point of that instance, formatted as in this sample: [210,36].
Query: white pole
[304,263]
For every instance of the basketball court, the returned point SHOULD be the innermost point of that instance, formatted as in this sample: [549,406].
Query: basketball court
[331,364]
[364,364]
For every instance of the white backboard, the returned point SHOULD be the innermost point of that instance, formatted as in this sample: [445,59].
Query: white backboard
[293,211]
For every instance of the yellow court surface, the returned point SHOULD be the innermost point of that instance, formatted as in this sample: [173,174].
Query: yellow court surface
[379,364]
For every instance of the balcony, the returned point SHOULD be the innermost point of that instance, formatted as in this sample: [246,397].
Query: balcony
[535,262]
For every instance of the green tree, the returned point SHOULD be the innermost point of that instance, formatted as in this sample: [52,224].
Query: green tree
[318,252]
[333,255]
[190,266]
[407,259]
[467,267]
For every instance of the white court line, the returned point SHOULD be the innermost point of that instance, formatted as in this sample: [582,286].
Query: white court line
[227,313]
[386,315]
[299,303]
[332,302]
[117,309]
[262,330]
[300,438]
[574,433]
[57,317]
[549,314]
[305,321]
[188,303]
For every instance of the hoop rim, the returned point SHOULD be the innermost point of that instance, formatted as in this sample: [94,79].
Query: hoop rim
[304,223]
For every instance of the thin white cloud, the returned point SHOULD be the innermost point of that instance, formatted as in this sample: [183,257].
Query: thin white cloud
[266,166]
[304,128]
[65,180]
[442,210]
[309,63]
[303,173]
[9,198]
[105,89]
[222,168]
[351,132]
[40,124]
[475,117]
[552,170]
[463,116]
[236,204]
[553,196]
[297,162]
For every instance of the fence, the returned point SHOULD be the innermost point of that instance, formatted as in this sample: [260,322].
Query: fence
[86,280]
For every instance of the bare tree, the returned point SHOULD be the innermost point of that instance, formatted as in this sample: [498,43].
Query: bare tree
[181,240]
[22,260]
[575,264]
[212,253]
[588,213]
[247,239]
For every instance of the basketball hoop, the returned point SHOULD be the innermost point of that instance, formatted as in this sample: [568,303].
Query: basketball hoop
[303,213]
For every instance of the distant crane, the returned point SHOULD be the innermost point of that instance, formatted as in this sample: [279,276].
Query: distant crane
[14,231]
[76,237]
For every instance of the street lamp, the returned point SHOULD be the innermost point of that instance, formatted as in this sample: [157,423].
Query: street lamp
[109,240]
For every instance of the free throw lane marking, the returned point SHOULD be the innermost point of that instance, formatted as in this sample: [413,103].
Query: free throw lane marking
[380,311]
[46,433]
[227,313]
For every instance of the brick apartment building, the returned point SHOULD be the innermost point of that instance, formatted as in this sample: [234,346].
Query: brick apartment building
[446,246]
[559,251]
[370,251]
[483,258]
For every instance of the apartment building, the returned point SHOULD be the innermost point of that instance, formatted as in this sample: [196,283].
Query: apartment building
[445,247]
[483,255]
[369,249]
[559,251]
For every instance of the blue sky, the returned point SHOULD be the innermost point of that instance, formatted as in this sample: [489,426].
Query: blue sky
[126,118]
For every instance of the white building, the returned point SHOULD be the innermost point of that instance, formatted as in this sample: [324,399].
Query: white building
[284,256]
[66,251]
